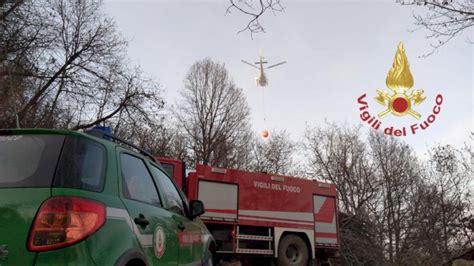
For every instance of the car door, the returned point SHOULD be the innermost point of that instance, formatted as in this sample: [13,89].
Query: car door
[190,233]
[154,226]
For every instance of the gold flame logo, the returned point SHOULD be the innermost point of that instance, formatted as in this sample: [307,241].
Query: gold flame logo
[400,80]
[399,77]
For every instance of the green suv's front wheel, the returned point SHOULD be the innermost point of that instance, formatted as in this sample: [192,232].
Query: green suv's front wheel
[209,259]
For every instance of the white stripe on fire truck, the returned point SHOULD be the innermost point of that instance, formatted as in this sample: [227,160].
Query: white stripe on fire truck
[325,240]
[146,240]
[220,215]
[243,217]
[325,227]
[291,216]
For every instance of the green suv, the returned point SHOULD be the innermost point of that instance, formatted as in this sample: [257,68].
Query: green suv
[68,197]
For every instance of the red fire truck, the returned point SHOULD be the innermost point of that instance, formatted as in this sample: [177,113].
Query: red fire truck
[256,214]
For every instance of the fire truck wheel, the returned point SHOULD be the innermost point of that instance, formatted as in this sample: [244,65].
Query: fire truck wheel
[292,251]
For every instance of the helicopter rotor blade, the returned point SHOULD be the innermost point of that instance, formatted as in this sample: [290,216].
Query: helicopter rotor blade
[276,64]
[250,64]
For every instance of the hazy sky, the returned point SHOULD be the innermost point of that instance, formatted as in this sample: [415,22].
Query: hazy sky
[336,51]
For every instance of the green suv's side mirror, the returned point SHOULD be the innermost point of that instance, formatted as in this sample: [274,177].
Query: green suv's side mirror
[196,208]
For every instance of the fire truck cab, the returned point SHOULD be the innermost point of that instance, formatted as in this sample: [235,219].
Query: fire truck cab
[293,220]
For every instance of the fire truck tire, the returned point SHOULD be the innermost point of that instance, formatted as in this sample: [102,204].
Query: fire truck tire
[292,251]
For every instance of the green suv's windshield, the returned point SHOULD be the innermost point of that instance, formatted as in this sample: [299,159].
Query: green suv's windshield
[28,160]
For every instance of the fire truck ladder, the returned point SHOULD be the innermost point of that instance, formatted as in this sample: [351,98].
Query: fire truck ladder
[242,241]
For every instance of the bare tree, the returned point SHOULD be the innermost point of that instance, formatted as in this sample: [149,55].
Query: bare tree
[465,229]
[84,52]
[358,241]
[444,19]
[337,153]
[399,173]
[275,154]
[129,99]
[393,209]
[442,222]
[450,179]
[421,205]
[64,66]
[23,34]
[162,139]
[236,152]
[214,115]
[7,8]
[254,10]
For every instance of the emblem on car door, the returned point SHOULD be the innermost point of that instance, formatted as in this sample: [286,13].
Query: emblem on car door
[3,252]
[159,242]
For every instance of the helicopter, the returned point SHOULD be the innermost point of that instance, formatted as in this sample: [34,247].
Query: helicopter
[262,79]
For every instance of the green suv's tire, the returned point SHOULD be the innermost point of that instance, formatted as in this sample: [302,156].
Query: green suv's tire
[292,251]
[135,262]
[209,259]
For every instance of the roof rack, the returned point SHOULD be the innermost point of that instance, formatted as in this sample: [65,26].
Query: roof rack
[108,136]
